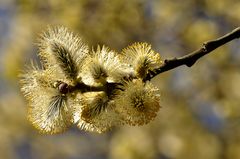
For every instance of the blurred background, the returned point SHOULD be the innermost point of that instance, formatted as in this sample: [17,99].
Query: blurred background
[200,114]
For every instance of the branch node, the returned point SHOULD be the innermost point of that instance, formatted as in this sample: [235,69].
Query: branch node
[205,47]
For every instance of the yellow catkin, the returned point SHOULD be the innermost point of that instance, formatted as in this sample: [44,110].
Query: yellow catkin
[103,66]
[48,111]
[73,51]
[138,104]
[97,113]
[142,58]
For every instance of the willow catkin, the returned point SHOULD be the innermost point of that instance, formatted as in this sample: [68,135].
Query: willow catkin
[62,51]
[142,58]
[48,110]
[97,113]
[138,104]
[102,66]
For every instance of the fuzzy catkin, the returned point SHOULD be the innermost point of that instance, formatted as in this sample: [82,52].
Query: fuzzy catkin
[142,58]
[138,104]
[48,110]
[63,51]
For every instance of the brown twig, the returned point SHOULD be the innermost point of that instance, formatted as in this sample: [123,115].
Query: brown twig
[191,58]
[188,60]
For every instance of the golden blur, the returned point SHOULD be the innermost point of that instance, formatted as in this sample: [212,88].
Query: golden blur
[200,106]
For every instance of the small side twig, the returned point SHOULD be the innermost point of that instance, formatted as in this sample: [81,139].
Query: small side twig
[191,58]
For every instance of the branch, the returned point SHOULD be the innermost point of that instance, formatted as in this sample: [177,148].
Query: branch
[191,58]
[109,88]
[188,60]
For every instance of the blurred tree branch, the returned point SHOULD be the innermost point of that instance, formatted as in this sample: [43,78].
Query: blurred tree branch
[191,58]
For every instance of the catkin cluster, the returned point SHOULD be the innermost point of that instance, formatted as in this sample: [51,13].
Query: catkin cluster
[94,89]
